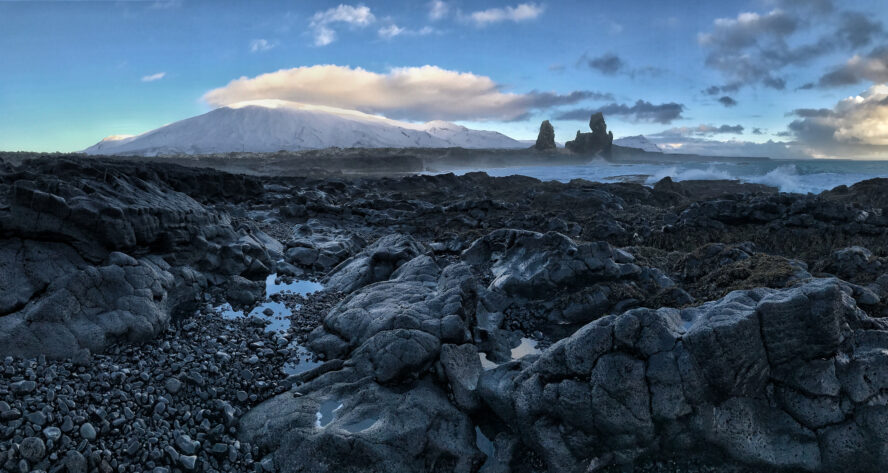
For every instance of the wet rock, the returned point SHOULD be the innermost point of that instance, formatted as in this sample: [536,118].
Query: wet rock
[243,292]
[375,263]
[384,429]
[722,358]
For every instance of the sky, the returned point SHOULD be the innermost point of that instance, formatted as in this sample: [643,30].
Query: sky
[778,78]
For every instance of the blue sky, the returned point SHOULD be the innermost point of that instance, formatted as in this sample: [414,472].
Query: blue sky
[74,72]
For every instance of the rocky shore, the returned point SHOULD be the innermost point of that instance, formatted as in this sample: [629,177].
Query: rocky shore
[156,317]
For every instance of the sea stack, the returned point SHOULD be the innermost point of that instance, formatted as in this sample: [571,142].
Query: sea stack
[599,141]
[546,139]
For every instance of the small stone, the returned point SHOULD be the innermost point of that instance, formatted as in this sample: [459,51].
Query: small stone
[11,414]
[87,431]
[67,424]
[33,449]
[186,445]
[241,396]
[52,433]
[23,387]
[188,461]
[75,462]
[173,385]
[267,464]
[37,418]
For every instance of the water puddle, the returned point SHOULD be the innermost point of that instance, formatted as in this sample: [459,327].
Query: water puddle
[485,445]
[528,346]
[301,360]
[279,318]
[297,286]
[327,413]
[277,313]
[485,363]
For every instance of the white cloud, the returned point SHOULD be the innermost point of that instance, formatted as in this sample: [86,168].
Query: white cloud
[416,93]
[390,31]
[438,10]
[154,77]
[860,121]
[259,45]
[518,13]
[393,30]
[355,16]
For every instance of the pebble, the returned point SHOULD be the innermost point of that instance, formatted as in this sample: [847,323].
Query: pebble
[188,461]
[52,433]
[75,462]
[172,385]
[23,387]
[125,411]
[33,449]
[87,431]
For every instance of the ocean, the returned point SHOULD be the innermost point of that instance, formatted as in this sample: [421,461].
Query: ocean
[799,176]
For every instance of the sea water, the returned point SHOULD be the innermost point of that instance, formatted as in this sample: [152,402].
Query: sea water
[799,176]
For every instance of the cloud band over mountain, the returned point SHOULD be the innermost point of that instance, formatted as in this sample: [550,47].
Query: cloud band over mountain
[413,93]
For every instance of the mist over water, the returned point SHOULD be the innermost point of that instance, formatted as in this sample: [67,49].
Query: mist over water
[799,176]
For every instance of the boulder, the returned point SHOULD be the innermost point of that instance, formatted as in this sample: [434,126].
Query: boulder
[345,422]
[375,263]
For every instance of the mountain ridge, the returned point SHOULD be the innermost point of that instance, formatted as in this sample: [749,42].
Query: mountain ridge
[275,125]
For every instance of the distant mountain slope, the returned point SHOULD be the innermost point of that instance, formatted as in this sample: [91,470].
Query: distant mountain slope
[639,142]
[273,125]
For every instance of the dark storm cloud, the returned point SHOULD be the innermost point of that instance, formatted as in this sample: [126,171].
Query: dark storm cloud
[699,130]
[611,64]
[641,111]
[811,112]
[727,101]
[872,67]
[755,48]
[543,100]
[857,29]
[608,64]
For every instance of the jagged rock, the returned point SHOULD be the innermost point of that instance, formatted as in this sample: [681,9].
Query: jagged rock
[599,141]
[345,422]
[91,308]
[394,329]
[703,376]
[375,263]
[560,280]
[463,369]
[68,277]
[243,292]
[546,139]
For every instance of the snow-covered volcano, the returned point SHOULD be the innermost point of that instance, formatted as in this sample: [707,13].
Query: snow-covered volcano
[273,125]
[639,142]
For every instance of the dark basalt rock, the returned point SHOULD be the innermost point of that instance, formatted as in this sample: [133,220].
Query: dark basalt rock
[491,324]
[599,141]
[769,377]
[94,254]
[546,138]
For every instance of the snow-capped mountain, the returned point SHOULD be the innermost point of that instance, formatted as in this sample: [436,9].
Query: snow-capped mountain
[639,142]
[273,125]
